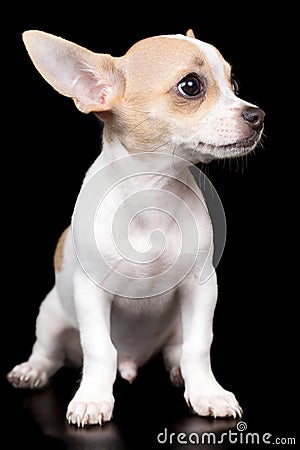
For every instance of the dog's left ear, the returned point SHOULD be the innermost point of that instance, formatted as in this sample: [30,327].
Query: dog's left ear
[90,79]
[190,33]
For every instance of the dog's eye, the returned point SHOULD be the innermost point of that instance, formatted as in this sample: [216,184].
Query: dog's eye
[190,85]
[235,86]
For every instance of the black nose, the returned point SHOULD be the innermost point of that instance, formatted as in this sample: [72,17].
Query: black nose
[255,117]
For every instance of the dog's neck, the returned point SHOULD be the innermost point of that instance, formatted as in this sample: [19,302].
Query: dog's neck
[146,169]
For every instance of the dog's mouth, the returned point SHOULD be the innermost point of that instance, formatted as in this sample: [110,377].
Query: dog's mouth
[235,149]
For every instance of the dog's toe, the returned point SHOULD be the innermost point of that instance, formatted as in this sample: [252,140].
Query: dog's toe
[82,414]
[217,405]
[27,377]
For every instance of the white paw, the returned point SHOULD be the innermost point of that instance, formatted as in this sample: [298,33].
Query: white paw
[82,413]
[219,404]
[27,377]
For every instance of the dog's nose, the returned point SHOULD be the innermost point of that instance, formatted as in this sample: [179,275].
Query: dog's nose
[254,117]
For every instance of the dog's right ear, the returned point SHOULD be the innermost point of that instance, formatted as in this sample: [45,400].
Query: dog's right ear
[90,79]
[190,33]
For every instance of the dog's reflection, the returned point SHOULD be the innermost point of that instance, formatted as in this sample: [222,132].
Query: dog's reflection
[47,409]
[195,432]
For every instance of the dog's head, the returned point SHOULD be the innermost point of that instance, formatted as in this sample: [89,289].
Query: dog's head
[169,93]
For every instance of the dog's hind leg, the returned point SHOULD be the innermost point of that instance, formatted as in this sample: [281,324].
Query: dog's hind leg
[172,356]
[48,353]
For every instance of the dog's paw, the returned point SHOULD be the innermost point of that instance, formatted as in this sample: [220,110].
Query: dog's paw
[82,413]
[221,404]
[27,377]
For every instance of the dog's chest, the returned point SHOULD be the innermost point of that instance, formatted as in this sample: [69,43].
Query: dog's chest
[139,243]
[145,237]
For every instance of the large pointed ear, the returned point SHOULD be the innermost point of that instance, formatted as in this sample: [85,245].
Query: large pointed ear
[92,80]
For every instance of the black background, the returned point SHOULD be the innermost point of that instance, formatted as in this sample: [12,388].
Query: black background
[49,147]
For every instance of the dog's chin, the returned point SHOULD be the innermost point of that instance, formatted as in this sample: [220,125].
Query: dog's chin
[233,150]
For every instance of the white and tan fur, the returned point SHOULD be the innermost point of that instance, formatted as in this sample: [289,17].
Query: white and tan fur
[139,99]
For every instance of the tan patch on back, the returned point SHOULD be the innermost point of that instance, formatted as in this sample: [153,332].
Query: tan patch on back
[59,251]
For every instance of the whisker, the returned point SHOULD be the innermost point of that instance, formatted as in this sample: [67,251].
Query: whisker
[138,149]
[130,108]
[163,144]
[136,126]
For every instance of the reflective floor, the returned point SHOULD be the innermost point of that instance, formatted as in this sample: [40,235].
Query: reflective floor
[149,414]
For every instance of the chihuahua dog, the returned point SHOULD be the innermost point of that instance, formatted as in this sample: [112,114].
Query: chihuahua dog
[170,102]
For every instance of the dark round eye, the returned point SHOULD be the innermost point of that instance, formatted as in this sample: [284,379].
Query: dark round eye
[190,85]
[235,86]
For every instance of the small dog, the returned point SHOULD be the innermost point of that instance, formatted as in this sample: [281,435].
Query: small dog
[168,103]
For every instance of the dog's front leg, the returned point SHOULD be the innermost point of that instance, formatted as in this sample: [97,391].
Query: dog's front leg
[93,402]
[202,392]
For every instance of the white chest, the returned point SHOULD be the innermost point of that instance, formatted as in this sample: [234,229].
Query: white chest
[142,237]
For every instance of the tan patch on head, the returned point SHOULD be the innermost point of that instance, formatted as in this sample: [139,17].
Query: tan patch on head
[154,65]
[152,106]
[59,251]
